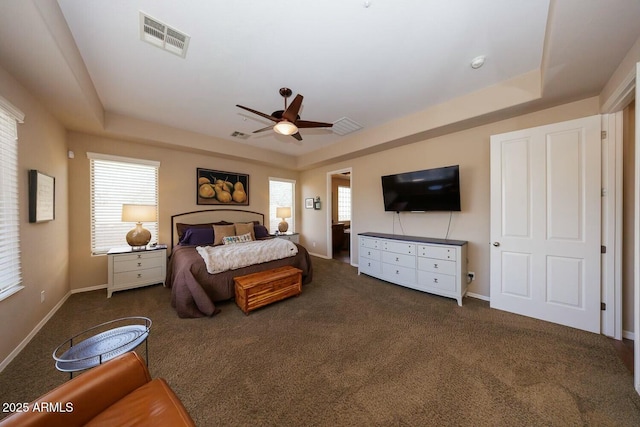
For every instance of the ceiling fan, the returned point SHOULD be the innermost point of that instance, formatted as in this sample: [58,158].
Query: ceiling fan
[288,121]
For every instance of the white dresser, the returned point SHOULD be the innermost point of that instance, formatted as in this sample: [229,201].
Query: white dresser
[437,266]
[130,269]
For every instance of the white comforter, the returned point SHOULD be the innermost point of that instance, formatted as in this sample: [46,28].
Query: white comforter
[238,255]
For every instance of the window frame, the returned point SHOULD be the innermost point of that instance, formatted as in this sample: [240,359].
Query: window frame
[10,254]
[272,211]
[97,247]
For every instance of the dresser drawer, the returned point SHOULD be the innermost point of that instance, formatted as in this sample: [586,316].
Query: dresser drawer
[443,282]
[437,266]
[369,266]
[138,276]
[132,264]
[395,273]
[439,252]
[399,247]
[399,259]
[367,242]
[370,253]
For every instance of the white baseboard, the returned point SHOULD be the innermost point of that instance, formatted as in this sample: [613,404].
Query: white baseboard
[88,289]
[478,296]
[628,335]
[319,256]
[35,330]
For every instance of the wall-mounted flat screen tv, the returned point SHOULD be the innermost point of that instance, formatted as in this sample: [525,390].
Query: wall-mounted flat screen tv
[426,190]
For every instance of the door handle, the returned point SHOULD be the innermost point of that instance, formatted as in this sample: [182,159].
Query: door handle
[496,244]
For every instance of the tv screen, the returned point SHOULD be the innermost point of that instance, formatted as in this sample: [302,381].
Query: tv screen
[426,190]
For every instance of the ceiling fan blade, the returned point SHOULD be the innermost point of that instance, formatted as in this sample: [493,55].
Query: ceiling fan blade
[292,111]
[263,129]
[297,136]
[309,124]
[266,116]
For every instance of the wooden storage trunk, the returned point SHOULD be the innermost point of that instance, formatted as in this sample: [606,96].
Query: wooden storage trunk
[259,289]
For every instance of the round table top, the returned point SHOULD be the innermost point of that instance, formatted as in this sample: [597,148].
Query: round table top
[100,347]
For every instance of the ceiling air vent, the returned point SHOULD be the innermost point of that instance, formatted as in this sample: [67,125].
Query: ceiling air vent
[240,135]
[345,126]
[161,35]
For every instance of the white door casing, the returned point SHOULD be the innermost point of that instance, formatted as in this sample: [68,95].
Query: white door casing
[545,223]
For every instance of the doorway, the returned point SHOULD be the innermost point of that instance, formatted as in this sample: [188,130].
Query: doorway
[339,210]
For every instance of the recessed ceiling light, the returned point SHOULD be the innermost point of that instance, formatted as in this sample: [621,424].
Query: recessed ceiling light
[478,62]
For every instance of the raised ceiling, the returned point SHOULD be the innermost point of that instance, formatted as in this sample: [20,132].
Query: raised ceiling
[373,62]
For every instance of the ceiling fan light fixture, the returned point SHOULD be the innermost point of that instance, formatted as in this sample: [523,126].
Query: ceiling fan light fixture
[285,127]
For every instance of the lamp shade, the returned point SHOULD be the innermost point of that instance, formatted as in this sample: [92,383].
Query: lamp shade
[139,213]
[283,213]
[285,127]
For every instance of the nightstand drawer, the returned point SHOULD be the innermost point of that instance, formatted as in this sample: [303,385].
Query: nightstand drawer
[132,264]
[139,276]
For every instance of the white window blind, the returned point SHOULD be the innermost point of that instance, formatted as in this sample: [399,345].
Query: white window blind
[116,181]
[281,195]
[10,268]
[344,203]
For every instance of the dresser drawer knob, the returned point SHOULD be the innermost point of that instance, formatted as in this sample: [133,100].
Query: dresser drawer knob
[435,280]
[139,275]
[397,260]
[435,265]
[397,272]
[139,264]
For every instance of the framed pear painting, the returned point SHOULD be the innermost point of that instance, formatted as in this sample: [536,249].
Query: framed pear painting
[216,187]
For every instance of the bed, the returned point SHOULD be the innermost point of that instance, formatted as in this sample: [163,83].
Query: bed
[194,291]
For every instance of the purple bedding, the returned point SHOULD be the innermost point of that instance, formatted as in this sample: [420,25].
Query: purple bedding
[194,291]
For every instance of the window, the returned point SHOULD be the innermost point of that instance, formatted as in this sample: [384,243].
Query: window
[344,203]
[281,195]
[116,181]
[10,268]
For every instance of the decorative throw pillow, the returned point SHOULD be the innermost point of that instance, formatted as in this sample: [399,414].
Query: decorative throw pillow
[244,228]
[182,228]
[222,231]
[243,238]
[260,231]
[197,237]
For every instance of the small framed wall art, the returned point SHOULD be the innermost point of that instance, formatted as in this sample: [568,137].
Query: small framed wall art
[308,203]
[42,196]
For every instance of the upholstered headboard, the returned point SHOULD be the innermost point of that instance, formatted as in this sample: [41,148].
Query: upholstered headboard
[212,215]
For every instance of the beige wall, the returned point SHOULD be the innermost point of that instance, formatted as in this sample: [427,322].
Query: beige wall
[177,176]
[469,149]
[44,246]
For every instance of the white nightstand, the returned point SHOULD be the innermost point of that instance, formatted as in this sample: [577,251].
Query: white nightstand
[294,237]
[130,269]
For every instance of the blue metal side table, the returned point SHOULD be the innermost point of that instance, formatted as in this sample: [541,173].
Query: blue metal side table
[101,343]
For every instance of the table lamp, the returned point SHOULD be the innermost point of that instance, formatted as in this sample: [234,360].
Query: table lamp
[139,236]
[283,213]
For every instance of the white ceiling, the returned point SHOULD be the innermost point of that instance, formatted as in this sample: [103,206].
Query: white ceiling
[372,62]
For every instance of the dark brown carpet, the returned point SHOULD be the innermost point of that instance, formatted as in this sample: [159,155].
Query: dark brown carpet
[352,350]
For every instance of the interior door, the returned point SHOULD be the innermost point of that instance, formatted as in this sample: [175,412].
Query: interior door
[545,223]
